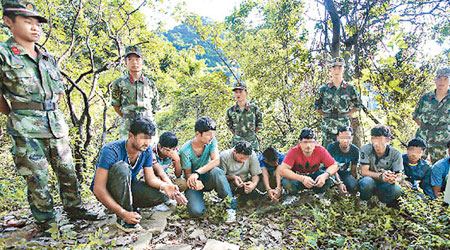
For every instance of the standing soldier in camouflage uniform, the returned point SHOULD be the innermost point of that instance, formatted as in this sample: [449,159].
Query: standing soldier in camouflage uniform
[32,84]
[244,119]
[337,101]
[433,117]
[133,95]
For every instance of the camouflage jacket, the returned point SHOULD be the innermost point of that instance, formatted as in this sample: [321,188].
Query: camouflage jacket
[434,117]
[140,96]
[340,100]
[244,122]
[26,80]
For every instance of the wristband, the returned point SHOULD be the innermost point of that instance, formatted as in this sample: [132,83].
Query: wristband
[196,172]
[329,174]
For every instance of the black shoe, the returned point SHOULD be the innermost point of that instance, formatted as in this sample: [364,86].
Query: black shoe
[44,228]
[81,214]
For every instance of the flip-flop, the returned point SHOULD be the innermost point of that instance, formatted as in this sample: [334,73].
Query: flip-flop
[14,223]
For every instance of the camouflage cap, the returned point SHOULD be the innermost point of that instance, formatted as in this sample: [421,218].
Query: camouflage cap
[22,8]
[239,85]
[443,72]
[338,61]
[133,50]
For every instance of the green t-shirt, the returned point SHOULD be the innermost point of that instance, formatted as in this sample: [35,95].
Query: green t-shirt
[190,160]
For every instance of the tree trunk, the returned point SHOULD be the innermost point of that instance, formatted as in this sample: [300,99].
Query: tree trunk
[329,5]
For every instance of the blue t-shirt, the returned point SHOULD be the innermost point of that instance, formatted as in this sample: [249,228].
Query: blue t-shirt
[345,160]
[420,172]
[115,151]
[192,161]
[269,168]
[439,172]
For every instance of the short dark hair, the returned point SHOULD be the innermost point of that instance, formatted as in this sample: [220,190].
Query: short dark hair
[381,130]
[270,154]
[204,124]
[243,147]
[168,140]
[10,15]
[345,129]
[308,133]
[142,125]
[417,142]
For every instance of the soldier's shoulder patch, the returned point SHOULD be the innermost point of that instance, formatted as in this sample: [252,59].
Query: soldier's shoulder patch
[15,50]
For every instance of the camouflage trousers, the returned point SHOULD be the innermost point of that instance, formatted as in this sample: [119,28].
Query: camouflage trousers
[252,139]
[32,158]
[330,127]
[437,148]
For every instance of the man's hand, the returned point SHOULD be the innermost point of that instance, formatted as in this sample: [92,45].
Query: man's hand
[343,188]
[238,181]
[389,177]
[274,194]
[249,186]
[130,217]
[308,182]
[181,199]
[321,179]
[170,190]
[192,181]
[198,185]
[173,154]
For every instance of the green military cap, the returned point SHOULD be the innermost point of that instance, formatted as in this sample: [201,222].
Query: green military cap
[443,72]
[239,85]
[22,8]
[133,50]
[338,61]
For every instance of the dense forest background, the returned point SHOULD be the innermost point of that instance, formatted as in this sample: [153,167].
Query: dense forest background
[392,49]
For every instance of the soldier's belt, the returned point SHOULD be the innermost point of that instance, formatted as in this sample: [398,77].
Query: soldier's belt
[433,128]
[335,115]
[42,106]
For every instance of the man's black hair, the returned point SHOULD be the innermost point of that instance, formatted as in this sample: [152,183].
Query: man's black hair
[345,129]
[142,125]
[270,154]
[243,147]
[381,130]
[168,140]
[204,124]
[417,142]
[308,133]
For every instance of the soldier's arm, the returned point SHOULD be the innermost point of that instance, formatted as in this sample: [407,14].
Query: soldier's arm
[259,120]
[4,107]
[229,121]
[318,103]
[117,109]
[417,112]
[155,101]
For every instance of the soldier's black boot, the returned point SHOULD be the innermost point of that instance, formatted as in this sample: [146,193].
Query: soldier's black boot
[81,214]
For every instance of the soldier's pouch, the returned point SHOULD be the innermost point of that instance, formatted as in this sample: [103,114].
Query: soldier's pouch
[20,154]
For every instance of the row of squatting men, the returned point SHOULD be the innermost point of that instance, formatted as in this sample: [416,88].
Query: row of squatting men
[31,85]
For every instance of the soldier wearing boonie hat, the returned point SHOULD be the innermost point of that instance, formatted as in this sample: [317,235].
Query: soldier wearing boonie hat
[133,95]
[432,116]
[337,101]
[244,119]
[30,87]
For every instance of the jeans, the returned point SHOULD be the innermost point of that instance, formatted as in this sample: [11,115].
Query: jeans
[385,192]
[349,181]
[130,193]
[214,179]
[292,186]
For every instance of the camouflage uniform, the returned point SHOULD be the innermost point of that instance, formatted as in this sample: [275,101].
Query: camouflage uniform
[434,118]
[244,122]
[136,98]
[336,103]
[37,127]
